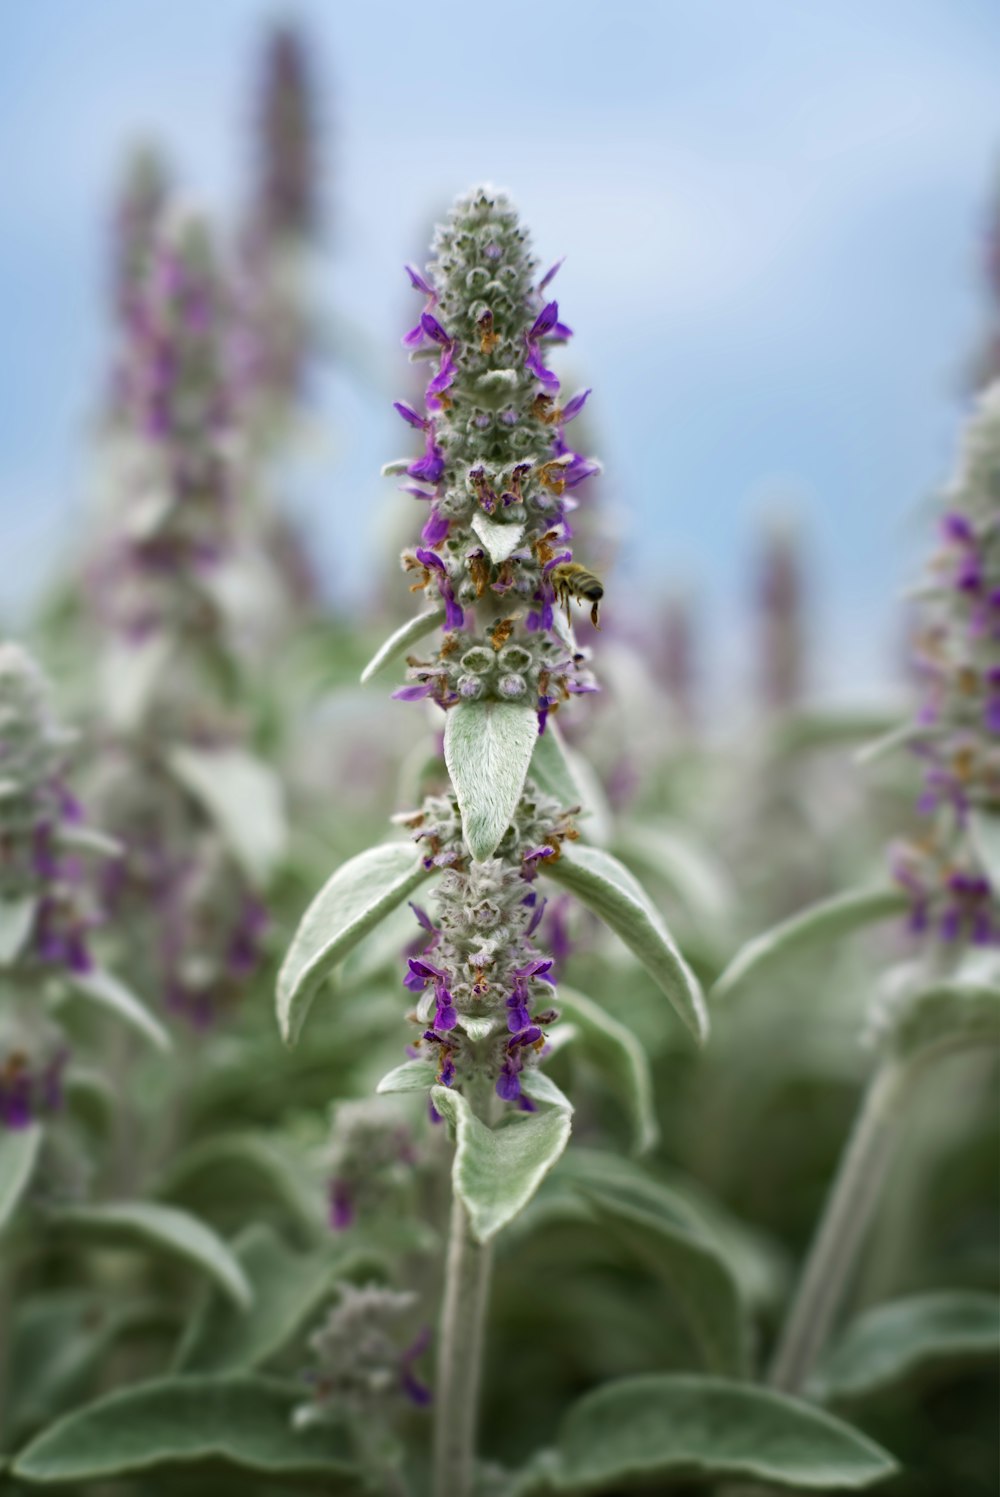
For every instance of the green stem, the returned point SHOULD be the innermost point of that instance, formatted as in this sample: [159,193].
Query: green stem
[841,1231]
[460,1356]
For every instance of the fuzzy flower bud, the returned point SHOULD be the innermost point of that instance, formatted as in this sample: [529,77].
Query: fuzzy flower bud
[496,469]
[370,1161]
[360,1365]
[957,734]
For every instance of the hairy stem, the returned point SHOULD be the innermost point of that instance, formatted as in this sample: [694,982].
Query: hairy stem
[841,1231]
[460,1355]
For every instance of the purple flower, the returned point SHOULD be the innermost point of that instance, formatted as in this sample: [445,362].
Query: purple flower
[415,692]
[574,406]
[508,1086]
[536,364]
[418,282]
[551,273]
[544,322]
[430,467]
[435,528]
[410,415]
[444,378]
[433,330]
[445,1015]
[341,1206]
[415,1390]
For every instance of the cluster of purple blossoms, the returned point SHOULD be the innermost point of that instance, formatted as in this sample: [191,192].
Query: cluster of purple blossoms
[957,733]
[177,447]
[486,992]
[157,583]
[47,902]
[497,472]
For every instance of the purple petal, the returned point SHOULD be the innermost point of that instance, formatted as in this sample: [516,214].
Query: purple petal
[433,329]
[574,406]
[413,693]
[410,415]
[533,361]
[435,529]
[417,281]
[551,273]
[544,322]
[429,559]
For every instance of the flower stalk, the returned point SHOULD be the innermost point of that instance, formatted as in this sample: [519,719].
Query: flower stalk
[460,1356]
[841,1231]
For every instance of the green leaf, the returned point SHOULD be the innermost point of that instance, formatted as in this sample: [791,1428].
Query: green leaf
[955,1013]
[208,1424]
[487,748]
[218,1162]
[397,644]
[89,839]
[891,1342]
[101,987]
[682,1428]
[158,1229]
[57,1342]
[610,890]
[497,1170]
[411,1076]
[620,1058]
[658,1228]
[985,826]
[129,676]
[669,852]
[244,798]
[18,1154]
[540,1087]
[499,541]
[564,775]
[351,903]
[288,1288]
[16,919]
[819,728]
[819,923]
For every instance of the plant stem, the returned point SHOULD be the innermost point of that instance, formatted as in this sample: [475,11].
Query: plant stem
[841,1231]
[460,1355]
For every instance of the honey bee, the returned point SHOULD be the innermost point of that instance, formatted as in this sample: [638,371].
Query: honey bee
[571,580]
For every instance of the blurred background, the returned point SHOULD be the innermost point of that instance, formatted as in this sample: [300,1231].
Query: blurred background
[775,216]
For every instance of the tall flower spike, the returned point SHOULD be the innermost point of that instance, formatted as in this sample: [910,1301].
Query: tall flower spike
[158,596]
[287,201]
[177,517]
[782,647]
[497,469]
[957,733]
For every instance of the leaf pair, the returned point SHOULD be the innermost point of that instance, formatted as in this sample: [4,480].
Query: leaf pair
[370,886]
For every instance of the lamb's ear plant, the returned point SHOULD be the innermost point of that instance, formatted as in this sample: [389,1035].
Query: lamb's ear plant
[946,995]
[495,648]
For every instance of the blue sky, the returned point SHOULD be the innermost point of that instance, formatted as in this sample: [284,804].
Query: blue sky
[772,213]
